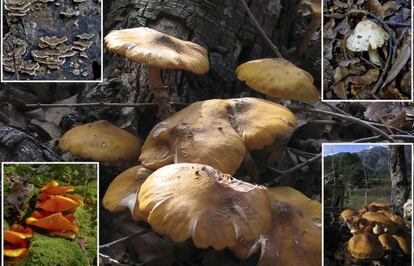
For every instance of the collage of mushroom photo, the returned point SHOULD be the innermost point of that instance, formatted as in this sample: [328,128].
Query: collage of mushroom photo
[207,132]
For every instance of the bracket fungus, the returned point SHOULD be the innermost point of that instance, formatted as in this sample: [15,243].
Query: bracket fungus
[122,192]
[295,234]
[216,132]
[368,36]
[159,51]
[17,8]
[196,201]
[278,78]
[15,245]
[101,141]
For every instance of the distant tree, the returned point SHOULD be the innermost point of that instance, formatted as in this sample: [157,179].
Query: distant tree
[400,186]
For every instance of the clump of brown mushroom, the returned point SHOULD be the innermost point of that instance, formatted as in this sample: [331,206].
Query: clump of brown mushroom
[377,232]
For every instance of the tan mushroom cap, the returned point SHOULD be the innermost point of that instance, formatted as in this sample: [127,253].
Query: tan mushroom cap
[345,214]
[196,201]
[378,205]
[278,78]
[122,191]
[101,141]
[389,243]
[216,133]
[295,235]
[145,45]
[365,246]
[377,217]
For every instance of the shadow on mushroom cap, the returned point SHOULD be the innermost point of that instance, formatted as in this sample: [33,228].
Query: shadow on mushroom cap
[295,235]
[145,45]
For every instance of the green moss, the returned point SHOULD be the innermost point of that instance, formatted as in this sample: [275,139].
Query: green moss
[45,251]
[87,232]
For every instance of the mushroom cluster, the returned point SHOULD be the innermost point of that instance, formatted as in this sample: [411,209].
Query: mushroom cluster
[196,201]
[377,232]
[14,60]
[15,238]
[55,208]
[17,8]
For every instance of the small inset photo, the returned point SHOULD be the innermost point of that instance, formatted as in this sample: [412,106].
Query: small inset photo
[52,40]
[367,48]
[367,201]
[49,214]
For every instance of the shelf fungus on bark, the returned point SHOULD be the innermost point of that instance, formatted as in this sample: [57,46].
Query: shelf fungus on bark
[122,192]
[15,241]
[196,201]
[101,141]
[17,8]
[278,78]
[295,234]
[216,132]
[159,51]
[368,36]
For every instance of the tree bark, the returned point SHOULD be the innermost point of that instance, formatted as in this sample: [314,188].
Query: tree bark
[400,186]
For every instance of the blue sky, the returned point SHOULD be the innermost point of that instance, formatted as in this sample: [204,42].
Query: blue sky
[337,148]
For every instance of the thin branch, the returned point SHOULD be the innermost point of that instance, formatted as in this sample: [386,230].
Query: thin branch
[409,138]
[124,239]
[260,29]
[53,105]
[297,167]
[348,118]
[108,260]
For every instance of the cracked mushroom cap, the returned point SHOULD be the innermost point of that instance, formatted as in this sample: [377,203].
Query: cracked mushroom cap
[367,35]
[295,234]
[145,45]
[196,201]
[278,78]
[223,128]
[101,141]
[122,192]
[365,246]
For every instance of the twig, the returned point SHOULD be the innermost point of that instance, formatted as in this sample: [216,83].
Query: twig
[348,118]
[398,24]
[261,31]
[375,138]
[124,239]
[53,105]
[108,260]
[295,168]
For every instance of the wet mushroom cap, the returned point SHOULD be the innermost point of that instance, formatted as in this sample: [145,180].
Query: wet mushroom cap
[367,35]
[122,191]
[365,246]
[101,141]
[145,45]
[295,235]
[278,78]
[216,132]
[196,201]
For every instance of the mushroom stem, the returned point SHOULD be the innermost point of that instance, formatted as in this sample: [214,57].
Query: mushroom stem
[160,92]
[374,57]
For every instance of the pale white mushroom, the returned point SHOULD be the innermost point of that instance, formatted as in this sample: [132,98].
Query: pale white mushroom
[368,36]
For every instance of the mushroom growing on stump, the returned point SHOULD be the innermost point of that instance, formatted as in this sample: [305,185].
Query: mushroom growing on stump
[158,51]
[101,141]
[278,78]
[216,132]
[197,201]
[295,235]
[122,192]
[368,36]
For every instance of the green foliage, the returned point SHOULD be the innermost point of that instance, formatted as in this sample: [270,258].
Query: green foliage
[47,251]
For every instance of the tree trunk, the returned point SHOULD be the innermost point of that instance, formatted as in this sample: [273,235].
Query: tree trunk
[400,185]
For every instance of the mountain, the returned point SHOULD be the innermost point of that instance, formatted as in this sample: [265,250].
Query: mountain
[375,159]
